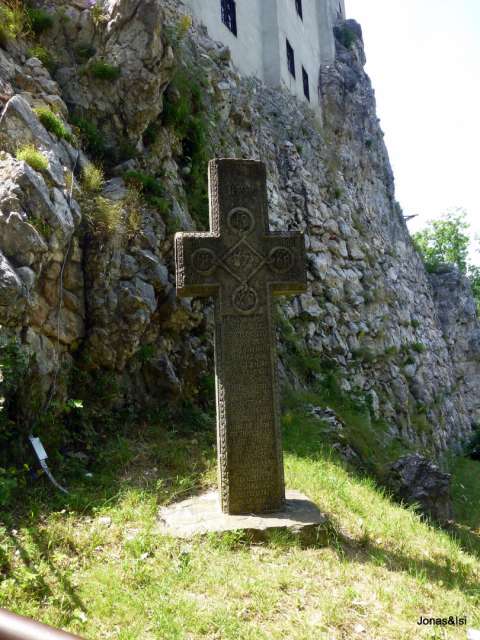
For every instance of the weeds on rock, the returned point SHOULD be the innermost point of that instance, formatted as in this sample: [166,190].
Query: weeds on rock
[104,70]
[44,55]
[150,187]
[97,12]
[104,216]
[53,123]
[185,112]
[92,178]
[84,51]
[29,154]
[13,21]
[39,19]
[91,137]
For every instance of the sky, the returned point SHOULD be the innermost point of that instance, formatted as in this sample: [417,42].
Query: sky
[423,57]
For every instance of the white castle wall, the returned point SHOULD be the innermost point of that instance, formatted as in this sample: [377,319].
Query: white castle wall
[263,26]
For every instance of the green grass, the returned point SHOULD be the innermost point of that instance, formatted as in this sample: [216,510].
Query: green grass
[32,157]
[53,123]
[39,19]
[44,55]
[92,178]
[60,562]
[91,137]
[13,21]
[104,71]
[151,189]
[84,51]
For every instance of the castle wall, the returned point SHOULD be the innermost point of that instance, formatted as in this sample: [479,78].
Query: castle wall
[263,26]
[303,36]
[247,47]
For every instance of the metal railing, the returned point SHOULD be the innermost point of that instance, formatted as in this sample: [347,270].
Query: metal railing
[13,627]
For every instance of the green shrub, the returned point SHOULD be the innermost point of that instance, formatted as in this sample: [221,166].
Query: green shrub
[150,134]
[44,55]
[92,178]
[185,112]
[104,71]
[419,347]
[91,137]
[41,225]
[176,34]
[98,13]
[104,216]
[8,483]
[32,157]
[391,351]
[346,36]
[39,19]
[148,185]
[13,21]
[53,123]
[151,189]
[84,51]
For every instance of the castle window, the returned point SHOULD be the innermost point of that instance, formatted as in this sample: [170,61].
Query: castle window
[229,15]
[298,6]
[306,86]
[290,59]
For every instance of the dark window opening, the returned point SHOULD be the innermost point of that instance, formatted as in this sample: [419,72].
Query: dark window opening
[298,5]
[290,59]
[306,86]
[229,15]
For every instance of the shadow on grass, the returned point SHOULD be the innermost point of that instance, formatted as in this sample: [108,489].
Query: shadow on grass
[38,587]
[156,462]
[169,466]
[305,440]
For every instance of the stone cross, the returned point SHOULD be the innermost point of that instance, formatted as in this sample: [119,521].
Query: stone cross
[243,265]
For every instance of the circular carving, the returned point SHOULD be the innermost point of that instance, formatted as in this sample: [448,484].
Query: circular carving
[204,260]
[245,299]
[281,259]
[241,220]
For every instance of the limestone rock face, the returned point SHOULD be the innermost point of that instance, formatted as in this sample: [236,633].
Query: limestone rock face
[457,315]
[129,38]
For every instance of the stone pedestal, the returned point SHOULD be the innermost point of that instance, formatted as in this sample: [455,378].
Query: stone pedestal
[202,515]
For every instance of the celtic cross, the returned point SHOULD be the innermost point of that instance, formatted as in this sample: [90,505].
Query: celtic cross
[243,266]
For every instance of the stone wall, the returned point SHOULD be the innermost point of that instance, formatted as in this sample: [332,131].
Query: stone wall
[106,303]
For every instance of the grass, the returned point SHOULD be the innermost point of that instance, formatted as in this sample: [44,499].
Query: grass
[32,157]
[91,137]
[44,55]
[151,189]
[104,71]
[53,123]
[187,116]
[91,562]
[84,51]
[39,19]
[92,178]
[13,21]
[104,216]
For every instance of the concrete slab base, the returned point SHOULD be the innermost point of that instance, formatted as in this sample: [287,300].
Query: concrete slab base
[202,515]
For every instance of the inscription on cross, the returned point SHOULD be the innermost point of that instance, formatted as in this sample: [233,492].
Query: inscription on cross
[242,264]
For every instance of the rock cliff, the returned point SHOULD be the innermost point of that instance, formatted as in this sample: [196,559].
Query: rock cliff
[86,269]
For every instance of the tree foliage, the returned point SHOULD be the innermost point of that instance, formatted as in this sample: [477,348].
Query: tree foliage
[446,240]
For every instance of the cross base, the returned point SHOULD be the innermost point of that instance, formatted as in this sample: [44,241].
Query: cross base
[202,515]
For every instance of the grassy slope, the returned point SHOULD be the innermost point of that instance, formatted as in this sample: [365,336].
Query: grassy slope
[113,578]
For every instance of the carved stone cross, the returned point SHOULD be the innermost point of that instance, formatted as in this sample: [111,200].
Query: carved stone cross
[243,265]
